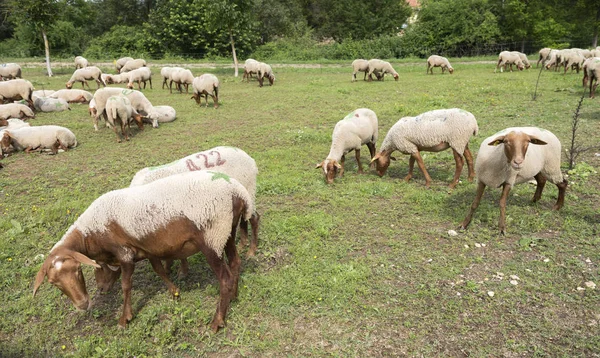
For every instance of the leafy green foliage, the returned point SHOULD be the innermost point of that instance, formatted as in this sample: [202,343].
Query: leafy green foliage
[119,41]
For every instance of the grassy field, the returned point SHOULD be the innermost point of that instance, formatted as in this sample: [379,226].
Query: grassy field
[363,267]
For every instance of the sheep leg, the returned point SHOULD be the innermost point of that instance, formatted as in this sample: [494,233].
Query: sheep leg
[224,275]
[411,166]
[54,148]
[421,165]
[541,182]
[117,134]
[164,83]
[160,271]
[254,221]
[470,166]
[215,100]
[474,205]
[371,147]
[502,220]
[342,165]
[365,77]
[357,155]
[127,272]
[233,258]
[125,134]
[171,86]
[458,160]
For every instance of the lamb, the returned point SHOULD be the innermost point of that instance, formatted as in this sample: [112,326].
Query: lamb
[84,74]
[167,113]
[80,62]
[142,74]
[205,85]
[15,110]
[46,104]
[360,65]
[72,95]
[508,58]
[356,129]
[138,101]
[264,70]
[121,62]
[592,74]
[523,58]
[432,131]
[544,56]
[250,67]
[181,76]
[133,65]
[380,68]
[16,89]
[39,137]
[438,61]
[170,218]
[515,156]
[119,111]
[10,71]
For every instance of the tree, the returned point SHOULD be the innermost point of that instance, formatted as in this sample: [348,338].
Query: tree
[39,14]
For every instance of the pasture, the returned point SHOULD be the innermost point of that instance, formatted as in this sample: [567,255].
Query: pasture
[362,267]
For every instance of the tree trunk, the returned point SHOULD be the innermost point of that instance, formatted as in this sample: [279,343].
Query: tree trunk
[47,53]
[596,25]
[235,61]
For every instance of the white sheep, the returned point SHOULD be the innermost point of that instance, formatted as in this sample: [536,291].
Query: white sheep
[358,128]
[132,65]
[39,137]
[13,123]
[552,60]
[592,74]
[16,89]
[574,60]
[265,70]
[167,113]
[116,79]
[47,104]
[41,93]
[228,160]
[136,223]
[142,74]
[119,112]
[432,131]
[84,74]
[509,58]
[438,61]
[10,71]
[181,76]
[514,156]
[359,65]
[81,62]
[205,85]
[379,68]
[165,73]
[544,56]
[121,62]
[523,58]
[15,110]
[72,95]
[139,102]
[250,67]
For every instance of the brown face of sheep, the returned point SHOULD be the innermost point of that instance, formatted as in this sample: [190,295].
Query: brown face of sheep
[106,277]
[515,146]
[139,120]
[382,162]
[64,272]
[197,97]
[451,70]
[520,66]
[3,122]
[69,85]
[396,76]
[5,141]
[330,169]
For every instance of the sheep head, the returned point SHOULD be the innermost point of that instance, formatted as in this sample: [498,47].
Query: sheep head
[330,169]
[5,141]
[69,85]
[139,120]
[3,122]
[451,70]
[106,276]
[515,146]
[382,162]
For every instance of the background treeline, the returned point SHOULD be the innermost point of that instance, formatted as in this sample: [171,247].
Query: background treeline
[293,29]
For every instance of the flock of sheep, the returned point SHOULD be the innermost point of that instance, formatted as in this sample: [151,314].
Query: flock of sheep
[196,203]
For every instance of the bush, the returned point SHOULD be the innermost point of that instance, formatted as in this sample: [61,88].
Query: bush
[119,41]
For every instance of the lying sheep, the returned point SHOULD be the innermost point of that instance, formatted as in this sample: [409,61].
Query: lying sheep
[39,137]
[15,110]
[166,113]
[138,101]
[514,156]
[432,131]
[438,61]
[264,70]
[16,89]
[205,85]
[47,104]
[80,62]
[181,76]
[250,68]
[509,58]
[12,123]
[142,74]
[133,65]
[119,112]
[379,68]
[10,71]
[121,62]
[355,130]
[360,65]
[72,95]
[84,74]
[544,56]
[41,93]
[128,225]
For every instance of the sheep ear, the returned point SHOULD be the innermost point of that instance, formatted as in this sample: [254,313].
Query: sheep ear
[84,259]
[497,141]
[377,156]
[337,165]
[320,165]
[535,140]
[39,278]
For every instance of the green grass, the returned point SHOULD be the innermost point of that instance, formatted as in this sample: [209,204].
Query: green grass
[362,267]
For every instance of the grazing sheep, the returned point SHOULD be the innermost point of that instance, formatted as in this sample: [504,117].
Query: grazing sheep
[142,74]
[15,110]
[523,58]
[92,108]
[171,218]
[138,101]
[438,61]
[592,75]
[116,79]
[264,70]
[432,131]
[360,65]
[119,111]
[515,156]
[16,89]
[553,60]
[133,65]
[181,76]
[39,137]
[573,59]
[121,62]
[81,62]
[167,114]
[72,95]
[47,104]
[509,58]
[356,129]
[165,72]
[10,71]
[544,56]
[205,85]
[250,67]
[84,74]
[380,68]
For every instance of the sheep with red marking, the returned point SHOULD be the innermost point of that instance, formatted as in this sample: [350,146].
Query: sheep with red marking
[171,218]
[514,156]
